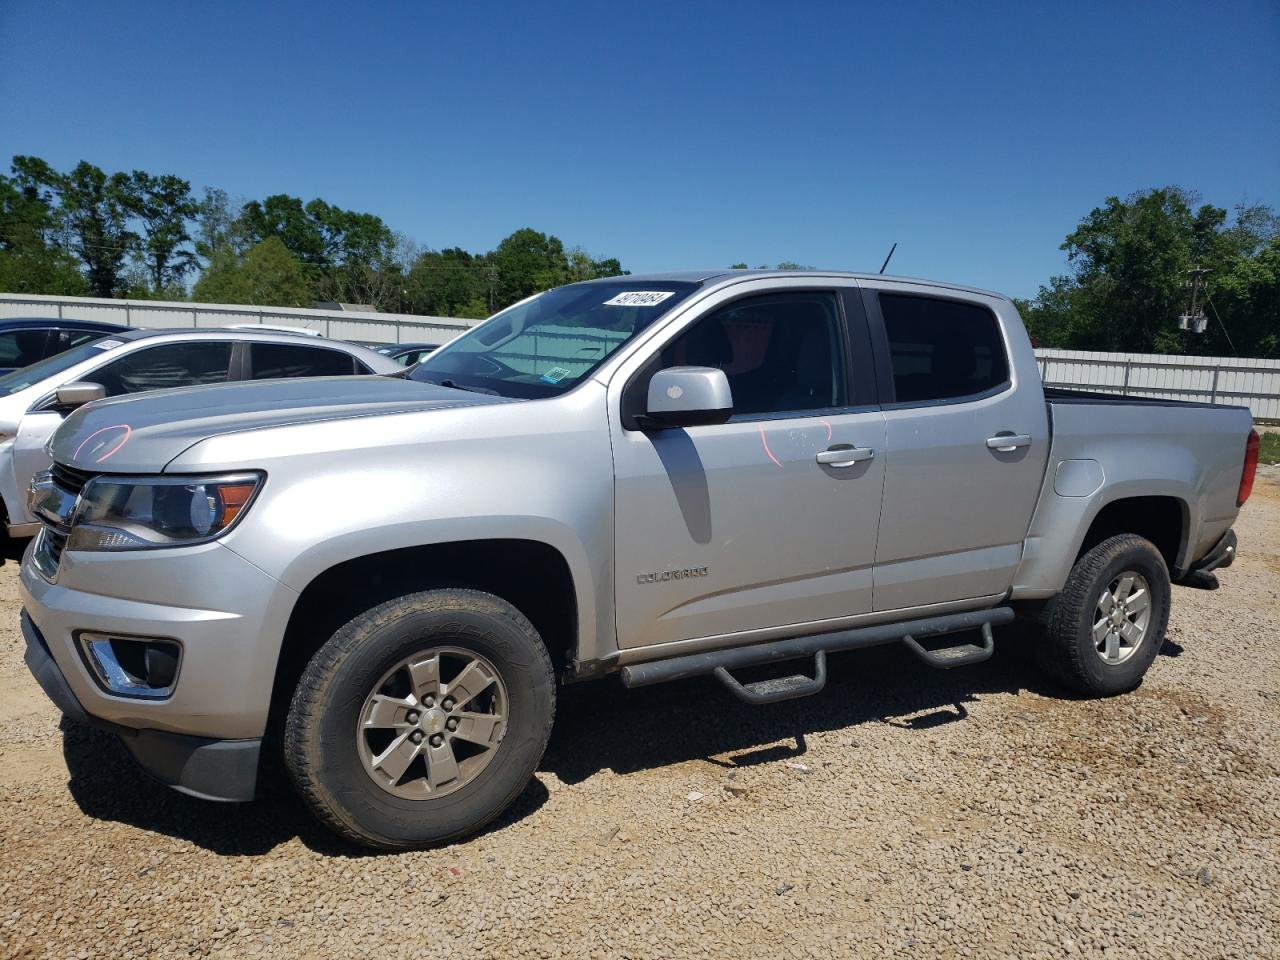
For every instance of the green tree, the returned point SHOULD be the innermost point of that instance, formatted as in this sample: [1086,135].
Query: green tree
[93,208]
[31,259]
[444,283]
[285,218]
[1129,281]
[268,274]
[163,205]
[583,266]
[525,263]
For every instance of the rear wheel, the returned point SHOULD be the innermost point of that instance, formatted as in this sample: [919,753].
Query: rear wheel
[1104,630]
[422,719]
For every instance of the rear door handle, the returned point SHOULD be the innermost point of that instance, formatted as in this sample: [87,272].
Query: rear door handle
[845,455]
[1008,442]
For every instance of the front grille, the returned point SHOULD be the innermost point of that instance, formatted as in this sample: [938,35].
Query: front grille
[52,539]
[70,478]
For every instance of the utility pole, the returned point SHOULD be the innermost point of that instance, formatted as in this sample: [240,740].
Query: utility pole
[1194,319]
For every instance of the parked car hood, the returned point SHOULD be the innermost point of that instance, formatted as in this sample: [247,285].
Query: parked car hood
[142,433]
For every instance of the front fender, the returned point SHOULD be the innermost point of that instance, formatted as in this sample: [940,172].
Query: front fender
[337,491]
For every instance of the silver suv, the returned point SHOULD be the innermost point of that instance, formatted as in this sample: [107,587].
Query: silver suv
[647,478]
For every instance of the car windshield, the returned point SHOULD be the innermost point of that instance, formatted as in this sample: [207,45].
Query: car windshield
[29,376]
[546,345]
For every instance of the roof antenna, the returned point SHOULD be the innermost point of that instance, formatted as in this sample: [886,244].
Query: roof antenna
[889,257]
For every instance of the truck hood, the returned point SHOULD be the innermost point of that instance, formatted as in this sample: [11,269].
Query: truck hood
[142,433]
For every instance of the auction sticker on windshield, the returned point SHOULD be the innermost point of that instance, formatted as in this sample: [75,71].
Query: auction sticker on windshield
[108,344]
[638,298]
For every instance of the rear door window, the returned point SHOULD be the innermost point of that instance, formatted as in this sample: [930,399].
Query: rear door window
[165,366]
[942,349]
[270,361]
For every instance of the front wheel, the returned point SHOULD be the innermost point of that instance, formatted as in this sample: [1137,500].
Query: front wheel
[1104,630]
[422,719]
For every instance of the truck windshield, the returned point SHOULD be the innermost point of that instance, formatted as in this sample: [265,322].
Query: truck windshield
[29,376]
[546,345]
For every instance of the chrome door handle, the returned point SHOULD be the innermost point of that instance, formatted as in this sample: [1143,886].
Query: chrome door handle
[845,456]
[1009,442]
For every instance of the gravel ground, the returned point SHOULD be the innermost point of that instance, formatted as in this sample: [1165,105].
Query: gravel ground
[904,812]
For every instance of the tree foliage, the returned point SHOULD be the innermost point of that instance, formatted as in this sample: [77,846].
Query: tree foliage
[267,274]
[87,231]
[1129,281]
[144,235]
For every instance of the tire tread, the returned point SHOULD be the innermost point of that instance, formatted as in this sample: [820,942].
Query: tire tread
[1058,652]
[302,729]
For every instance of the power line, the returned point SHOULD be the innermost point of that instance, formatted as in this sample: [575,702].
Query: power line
[1220,323]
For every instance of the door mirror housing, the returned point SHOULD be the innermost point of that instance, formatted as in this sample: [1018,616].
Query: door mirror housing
[77,394]
[687,397]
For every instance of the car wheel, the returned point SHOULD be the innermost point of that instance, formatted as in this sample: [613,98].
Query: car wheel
[422,719]
[1104,630]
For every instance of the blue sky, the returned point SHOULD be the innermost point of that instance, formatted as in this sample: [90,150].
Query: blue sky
[672,135]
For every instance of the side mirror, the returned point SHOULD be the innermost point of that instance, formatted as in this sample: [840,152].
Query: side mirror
[77,394]
[687,397]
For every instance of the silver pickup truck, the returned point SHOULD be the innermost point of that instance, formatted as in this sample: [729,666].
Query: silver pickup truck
[648,478]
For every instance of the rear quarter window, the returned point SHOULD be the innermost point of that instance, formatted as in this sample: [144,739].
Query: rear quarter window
[273,361]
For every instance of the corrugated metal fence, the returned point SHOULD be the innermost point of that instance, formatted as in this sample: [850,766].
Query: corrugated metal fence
[339,324]
[1232,380]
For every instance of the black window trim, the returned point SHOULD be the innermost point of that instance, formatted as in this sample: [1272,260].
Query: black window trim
[860,375]
[884,358]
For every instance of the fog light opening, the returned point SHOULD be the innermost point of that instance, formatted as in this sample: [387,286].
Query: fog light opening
[133,667]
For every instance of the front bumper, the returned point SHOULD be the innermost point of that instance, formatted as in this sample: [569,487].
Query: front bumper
[199,766]
[229,618]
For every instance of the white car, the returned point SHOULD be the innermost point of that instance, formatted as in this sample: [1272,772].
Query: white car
[35,399]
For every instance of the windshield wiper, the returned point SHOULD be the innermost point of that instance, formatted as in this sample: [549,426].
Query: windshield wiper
[458,386]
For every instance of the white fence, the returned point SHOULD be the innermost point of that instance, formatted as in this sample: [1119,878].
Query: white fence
[1231,380]
[340,324]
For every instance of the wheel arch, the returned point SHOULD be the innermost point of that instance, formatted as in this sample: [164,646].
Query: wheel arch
[1065,528]
[532,575]
[1163,519]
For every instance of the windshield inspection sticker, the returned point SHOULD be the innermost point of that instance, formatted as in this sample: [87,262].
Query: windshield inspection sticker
[108,344]
[638,298]
[555,374]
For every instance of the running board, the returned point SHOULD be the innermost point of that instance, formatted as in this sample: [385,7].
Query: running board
[781,688]
[961,655]
[720,662]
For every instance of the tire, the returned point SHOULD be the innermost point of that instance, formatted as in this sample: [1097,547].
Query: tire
[1067,648]
[331,733]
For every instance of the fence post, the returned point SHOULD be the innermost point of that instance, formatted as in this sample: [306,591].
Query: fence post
[1213,389]
[1128,366]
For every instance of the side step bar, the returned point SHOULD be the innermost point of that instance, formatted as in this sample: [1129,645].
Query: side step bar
[720,662]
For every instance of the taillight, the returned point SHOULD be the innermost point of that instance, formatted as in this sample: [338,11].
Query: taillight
[1250,468]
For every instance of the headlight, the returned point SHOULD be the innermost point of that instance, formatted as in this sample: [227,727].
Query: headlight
[139,513]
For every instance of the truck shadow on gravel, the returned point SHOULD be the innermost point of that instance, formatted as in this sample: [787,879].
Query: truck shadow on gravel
[598,726]
[601,726]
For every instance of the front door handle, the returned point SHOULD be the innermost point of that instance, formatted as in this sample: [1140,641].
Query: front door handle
[1008,442]
[845,455]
